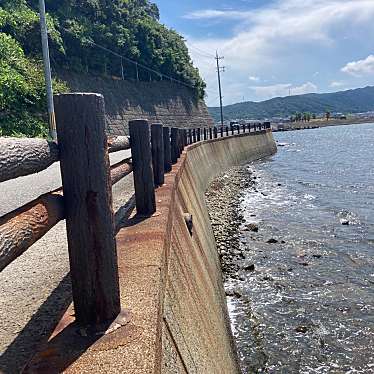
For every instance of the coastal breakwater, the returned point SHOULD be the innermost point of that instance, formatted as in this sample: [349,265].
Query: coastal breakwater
[170,280]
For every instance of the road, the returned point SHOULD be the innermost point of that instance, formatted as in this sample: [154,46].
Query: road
[35,288]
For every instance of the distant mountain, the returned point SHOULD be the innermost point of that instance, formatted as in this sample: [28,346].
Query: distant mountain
[350,101]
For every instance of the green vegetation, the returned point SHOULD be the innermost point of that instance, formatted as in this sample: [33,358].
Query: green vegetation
[351,101]
[130,28]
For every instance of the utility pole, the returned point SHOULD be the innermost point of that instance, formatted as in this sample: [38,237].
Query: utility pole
[219,70]
[47,71]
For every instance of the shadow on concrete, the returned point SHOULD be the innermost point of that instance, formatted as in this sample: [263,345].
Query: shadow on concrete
[38,329]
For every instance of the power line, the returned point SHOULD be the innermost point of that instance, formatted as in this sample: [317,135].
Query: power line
[200,51]
[135,63]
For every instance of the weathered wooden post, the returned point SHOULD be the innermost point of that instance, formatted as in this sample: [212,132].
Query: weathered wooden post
[142,167]
[190,140]
[194,135]
[185,141]
[85,171]
[232,129]
[215,132]
[174,145]
[210,133]
[157,142]
[227,131]
[205,136]
[249,127]
[221,131]
[243,128]
[167,149]
[198,134]
[238,128]
[180,142]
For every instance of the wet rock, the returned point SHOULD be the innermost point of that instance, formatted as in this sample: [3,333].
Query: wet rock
[267,277]
[249,267]
[302,328]
[252,227]
[237,294]
[229,292]
[272,241]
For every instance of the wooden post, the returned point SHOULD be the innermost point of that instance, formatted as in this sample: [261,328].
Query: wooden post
[185,141]
[194,135]
[158,160]
[142,165]
[174,145]
[221,131]
[205,133]
[238,128]
[232,129]
[85,171]
[227,131]
[210,133]
[189,136]
[167,149]
[198,134]
[249,127]
[215,132]
[180,142]
[243,128]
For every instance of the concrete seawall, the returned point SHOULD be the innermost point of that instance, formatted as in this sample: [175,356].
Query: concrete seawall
[170,281]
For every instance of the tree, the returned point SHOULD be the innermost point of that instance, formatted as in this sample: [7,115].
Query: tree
[130,28]
[22,92]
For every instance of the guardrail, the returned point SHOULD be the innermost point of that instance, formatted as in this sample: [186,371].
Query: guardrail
[85,199]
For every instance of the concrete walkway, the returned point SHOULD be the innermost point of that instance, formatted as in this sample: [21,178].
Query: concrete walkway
[35,289]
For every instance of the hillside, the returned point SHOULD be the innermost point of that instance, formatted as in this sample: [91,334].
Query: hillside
[85,37]
[350,101]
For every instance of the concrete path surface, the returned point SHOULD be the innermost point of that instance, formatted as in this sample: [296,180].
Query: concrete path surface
[35,288]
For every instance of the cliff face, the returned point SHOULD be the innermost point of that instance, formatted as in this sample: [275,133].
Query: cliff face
[169,103]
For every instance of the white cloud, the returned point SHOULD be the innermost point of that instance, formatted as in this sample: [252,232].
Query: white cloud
[337,84]
[360,67]
[216,14]
[276,39]
[283,89]
[254,78]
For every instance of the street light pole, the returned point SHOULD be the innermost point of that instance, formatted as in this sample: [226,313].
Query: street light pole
[219,69]
[47,71]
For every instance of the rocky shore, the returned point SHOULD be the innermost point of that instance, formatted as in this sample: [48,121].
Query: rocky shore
[223,199]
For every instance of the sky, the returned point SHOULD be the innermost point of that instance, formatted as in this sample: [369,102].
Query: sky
[276,47]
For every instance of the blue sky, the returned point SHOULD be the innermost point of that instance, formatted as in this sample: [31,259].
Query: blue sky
[276,47]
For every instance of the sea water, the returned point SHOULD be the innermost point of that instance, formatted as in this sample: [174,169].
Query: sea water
[308,307]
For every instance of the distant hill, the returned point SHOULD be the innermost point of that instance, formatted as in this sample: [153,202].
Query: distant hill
[350,101]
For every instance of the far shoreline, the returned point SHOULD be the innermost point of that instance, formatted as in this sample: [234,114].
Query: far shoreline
[320,124]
